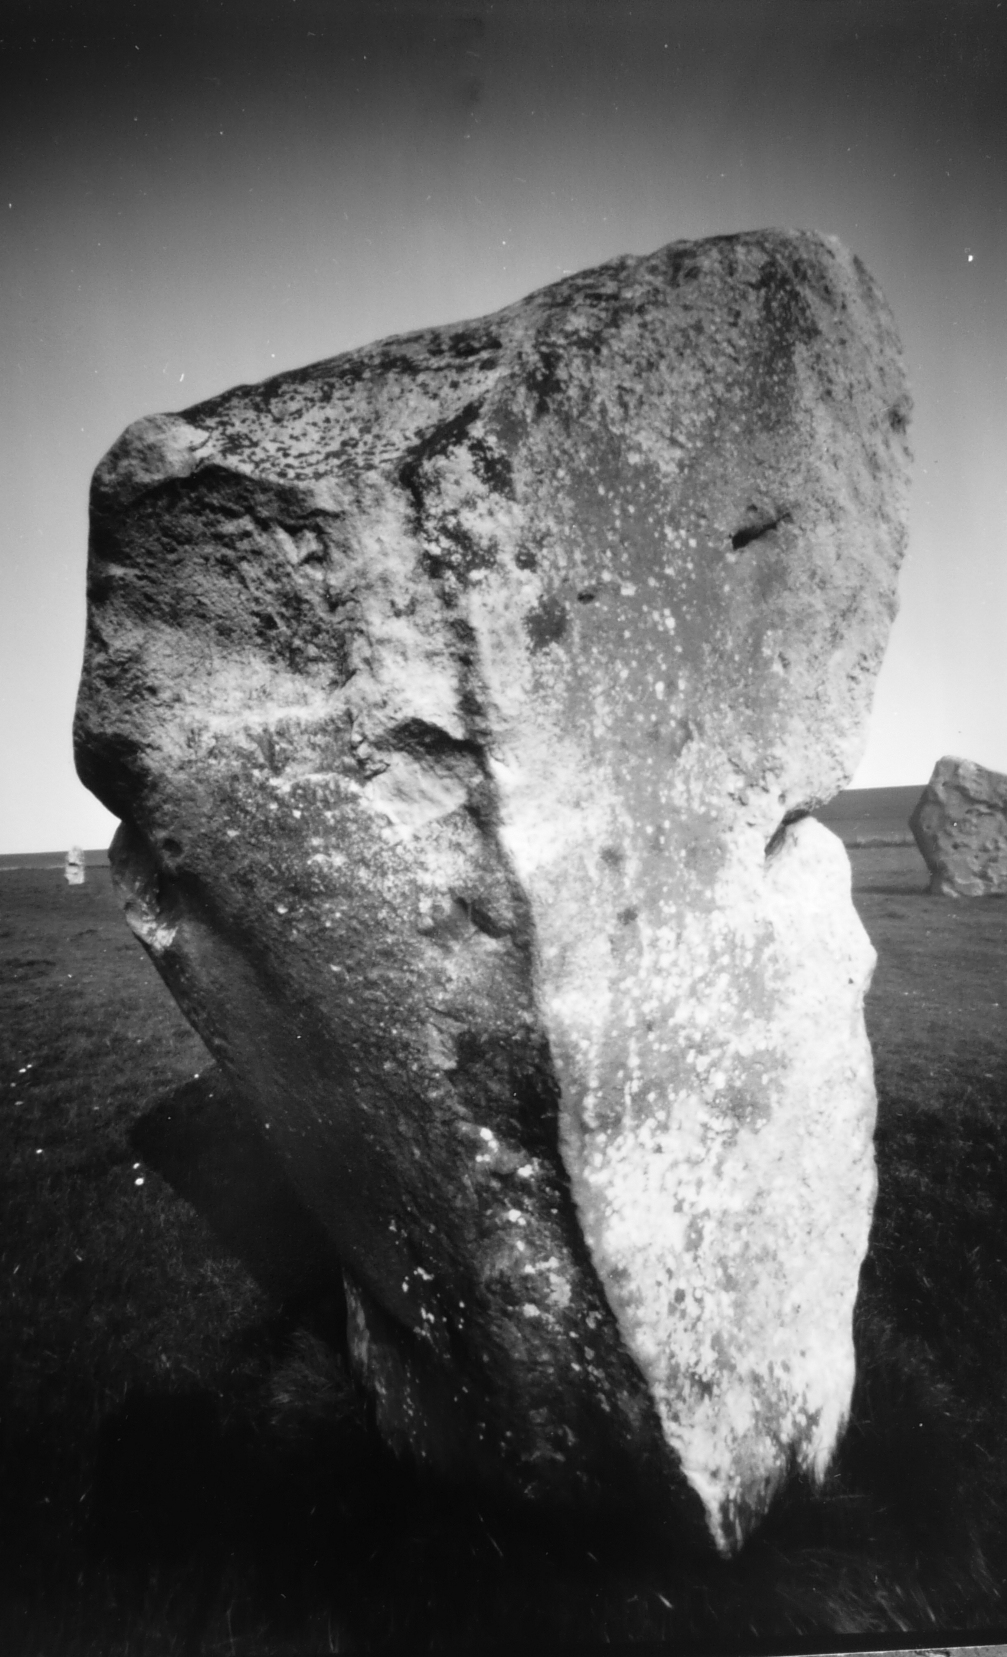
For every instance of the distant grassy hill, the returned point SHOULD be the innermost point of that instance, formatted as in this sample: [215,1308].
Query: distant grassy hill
[97,859]
[872,816]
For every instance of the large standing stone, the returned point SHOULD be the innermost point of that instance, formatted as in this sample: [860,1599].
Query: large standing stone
[960,825]
[463,699]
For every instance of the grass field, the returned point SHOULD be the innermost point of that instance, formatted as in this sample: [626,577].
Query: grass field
[186,1466]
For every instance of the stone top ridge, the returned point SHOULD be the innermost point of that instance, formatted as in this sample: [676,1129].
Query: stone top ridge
[333,424]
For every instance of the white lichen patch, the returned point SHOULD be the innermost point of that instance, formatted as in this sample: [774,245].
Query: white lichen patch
[723,1165]
[147,925]
[411,793]
[704,1010]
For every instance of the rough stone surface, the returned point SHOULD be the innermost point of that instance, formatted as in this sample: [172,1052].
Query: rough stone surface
[960,825]
[462,698]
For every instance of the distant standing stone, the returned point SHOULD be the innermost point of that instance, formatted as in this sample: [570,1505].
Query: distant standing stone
[74,868]
[464,699]
[960,824]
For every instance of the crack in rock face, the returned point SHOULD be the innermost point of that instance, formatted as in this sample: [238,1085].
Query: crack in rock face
[464,699]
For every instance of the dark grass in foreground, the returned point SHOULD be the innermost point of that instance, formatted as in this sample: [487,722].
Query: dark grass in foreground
[187,1467]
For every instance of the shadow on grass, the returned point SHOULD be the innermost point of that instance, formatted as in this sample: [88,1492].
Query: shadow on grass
[187,1465]
[215,1156]
[252,1517]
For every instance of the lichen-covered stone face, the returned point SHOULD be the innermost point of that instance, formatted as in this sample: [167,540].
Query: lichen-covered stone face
[960,826]
[463,699]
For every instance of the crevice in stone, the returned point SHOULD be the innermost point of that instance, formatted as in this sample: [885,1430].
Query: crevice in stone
[759,524]
[419,737]
[482,920]
[778,836]
[448,435]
